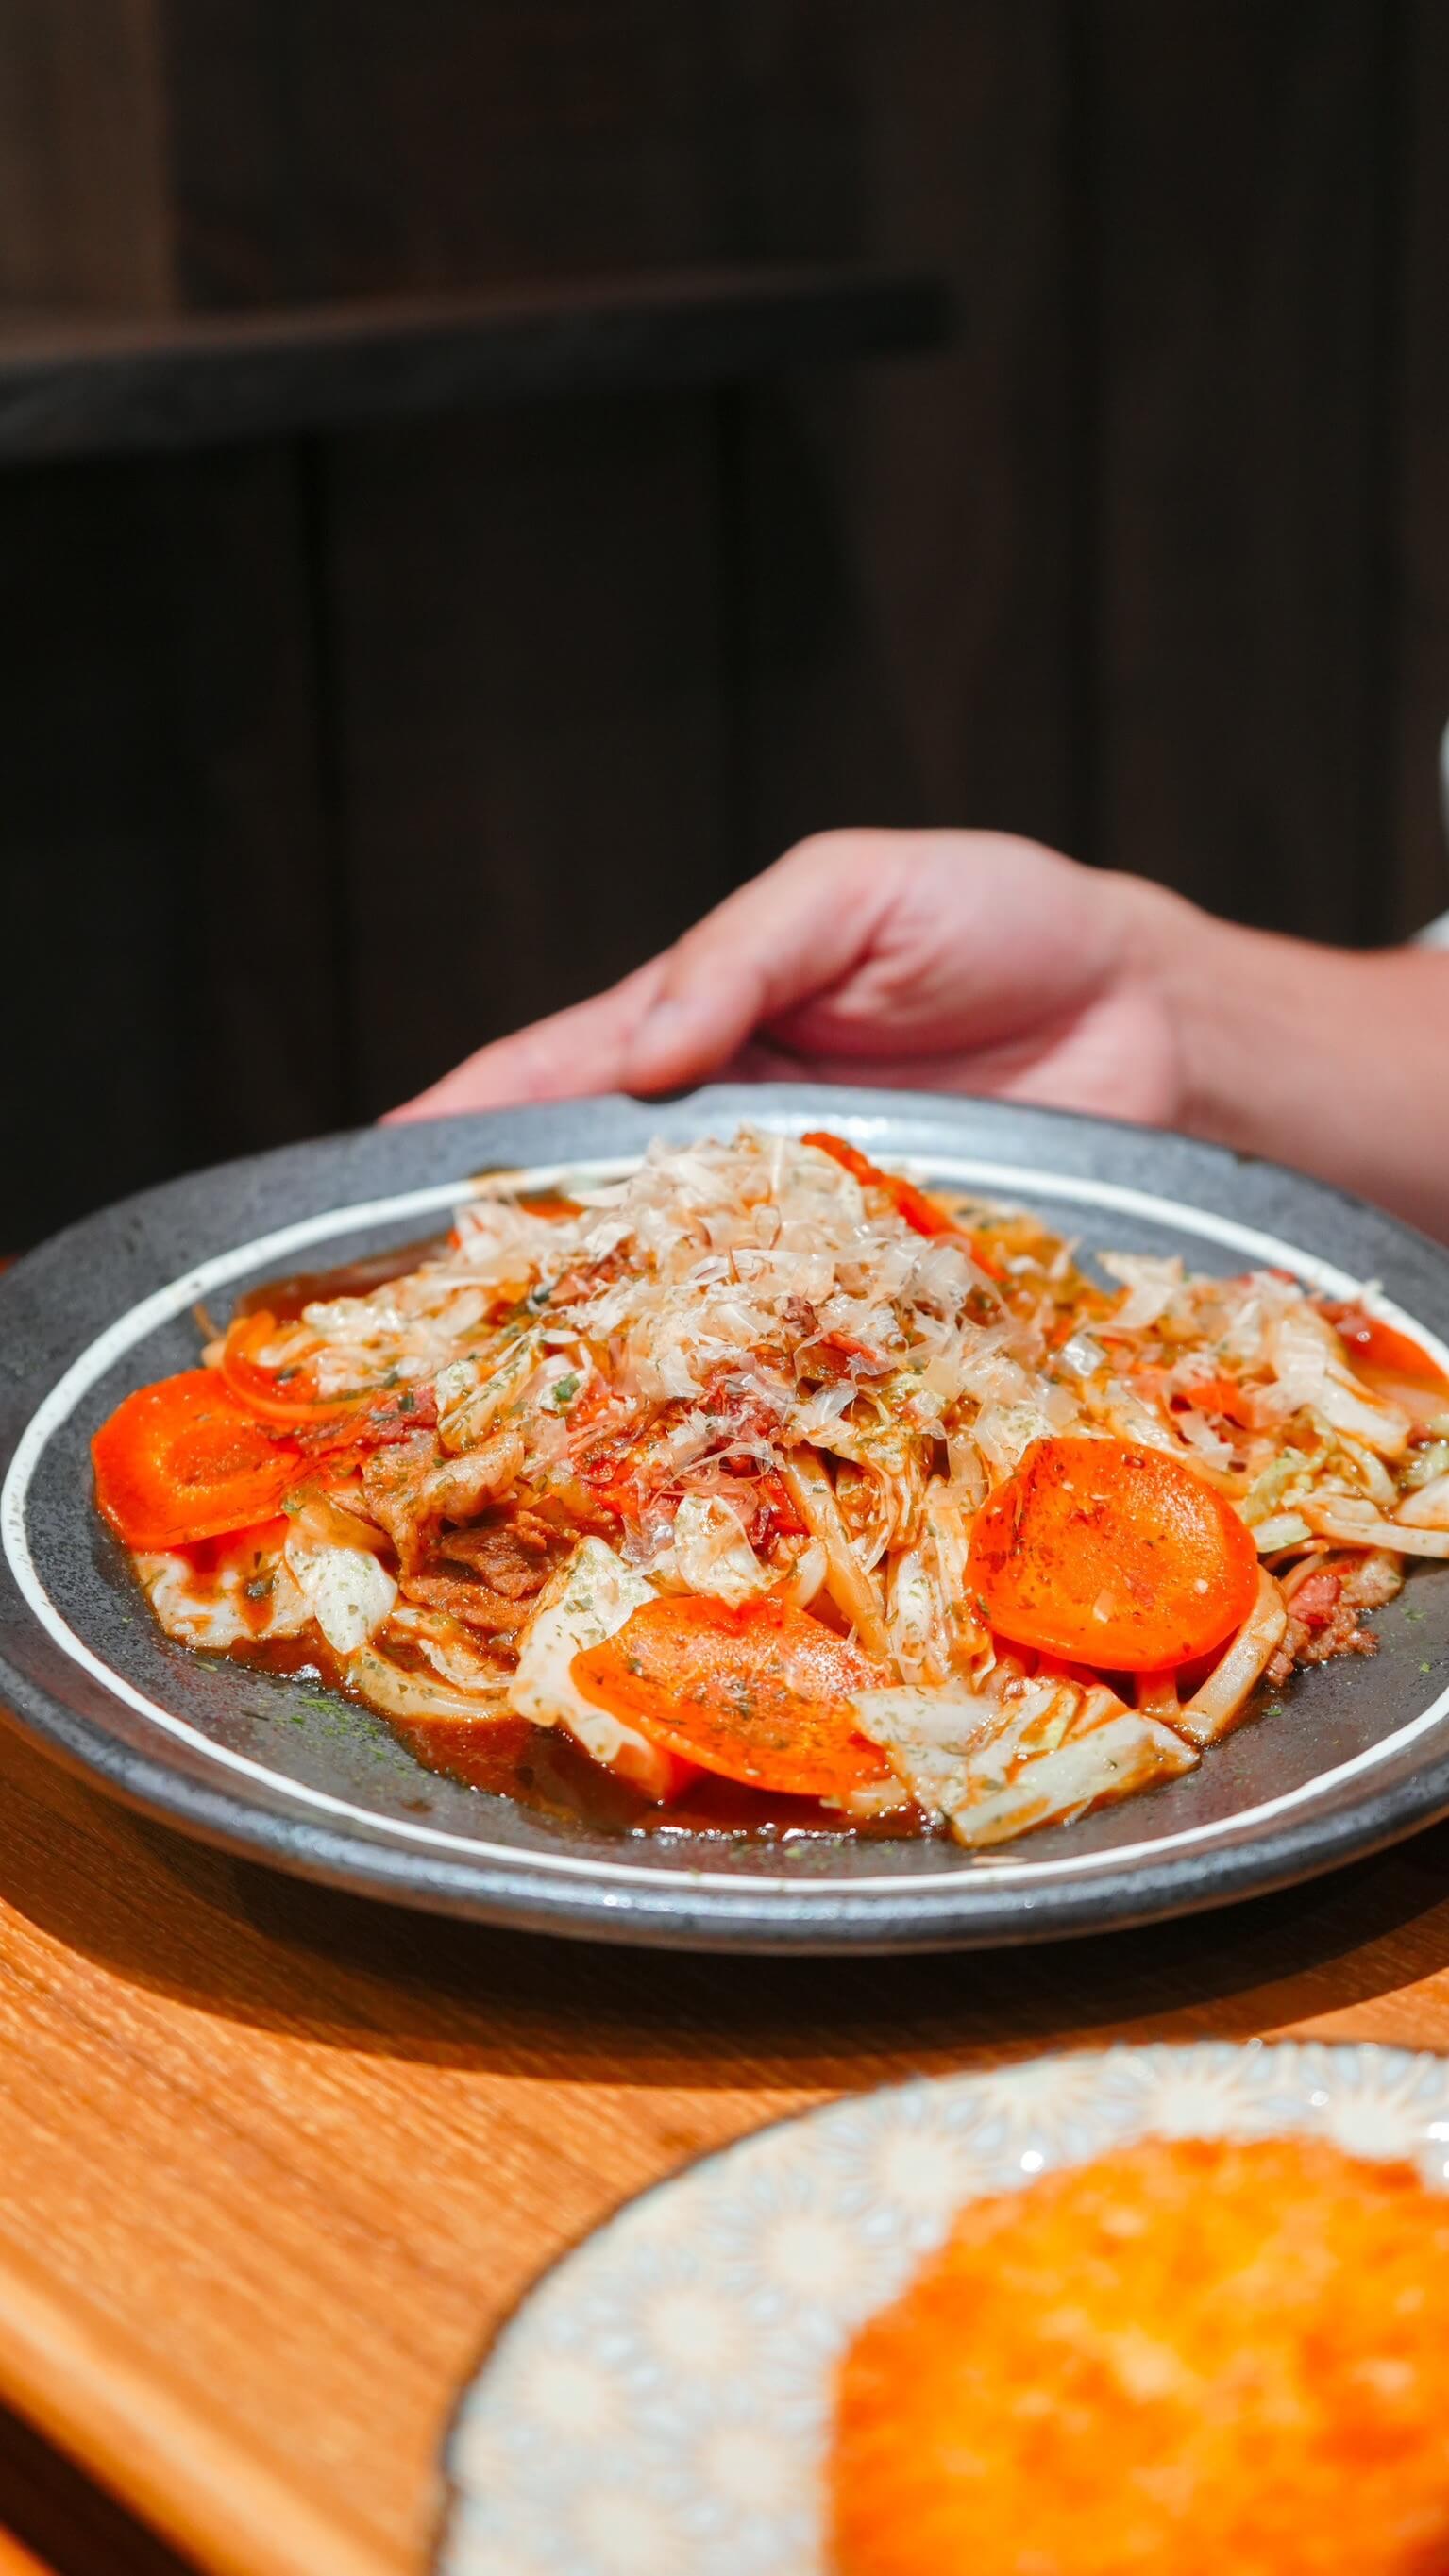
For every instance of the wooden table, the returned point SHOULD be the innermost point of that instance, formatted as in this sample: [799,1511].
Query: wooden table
[277,2161]
[17,2561]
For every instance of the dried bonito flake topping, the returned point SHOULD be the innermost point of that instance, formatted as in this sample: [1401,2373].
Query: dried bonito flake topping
[768,1462]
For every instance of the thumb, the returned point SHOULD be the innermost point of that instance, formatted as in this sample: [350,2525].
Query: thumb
[766,950]
[787,936]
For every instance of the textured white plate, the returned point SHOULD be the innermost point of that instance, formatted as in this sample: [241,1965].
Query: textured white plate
[660,2404]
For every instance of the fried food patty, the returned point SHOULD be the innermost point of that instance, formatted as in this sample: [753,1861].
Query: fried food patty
[1189,2355]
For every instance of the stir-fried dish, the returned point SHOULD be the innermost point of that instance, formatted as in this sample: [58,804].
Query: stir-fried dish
[766,1466]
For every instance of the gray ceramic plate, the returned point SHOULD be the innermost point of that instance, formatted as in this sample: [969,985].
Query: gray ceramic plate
[1358,1755]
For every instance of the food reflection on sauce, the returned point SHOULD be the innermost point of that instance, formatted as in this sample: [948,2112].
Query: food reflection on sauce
[540,1767]
[1391,1364]
[286,1298]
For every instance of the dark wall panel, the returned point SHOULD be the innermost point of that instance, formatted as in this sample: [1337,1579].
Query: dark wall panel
[167,919]
[1239,203]
[906,564]
[531,720]
[322,764]
[85,215]
[341,149]
[1417,476]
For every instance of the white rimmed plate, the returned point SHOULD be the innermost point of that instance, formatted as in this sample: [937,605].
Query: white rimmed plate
[660,2404]
[1358,1754]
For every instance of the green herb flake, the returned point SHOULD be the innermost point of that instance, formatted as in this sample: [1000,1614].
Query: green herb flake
[564,1392]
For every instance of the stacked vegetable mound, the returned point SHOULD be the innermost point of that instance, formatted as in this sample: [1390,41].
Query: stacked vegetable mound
[763,1463]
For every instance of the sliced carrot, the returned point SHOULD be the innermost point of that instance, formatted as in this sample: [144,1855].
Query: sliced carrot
[758,1692]
[1221,1395]
[920,1211]
[1112,1554]
[1376,1345]
[182,1460]
[277,1395]
[1224,1396]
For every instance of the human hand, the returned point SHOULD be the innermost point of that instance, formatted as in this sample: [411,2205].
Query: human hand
[946,961]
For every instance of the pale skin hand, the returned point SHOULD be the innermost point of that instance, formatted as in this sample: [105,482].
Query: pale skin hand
[970,961]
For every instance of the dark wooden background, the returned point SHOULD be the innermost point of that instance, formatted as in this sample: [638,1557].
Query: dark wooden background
[324,757]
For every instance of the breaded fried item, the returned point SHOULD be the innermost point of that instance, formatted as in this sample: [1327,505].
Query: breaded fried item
[1189,2356]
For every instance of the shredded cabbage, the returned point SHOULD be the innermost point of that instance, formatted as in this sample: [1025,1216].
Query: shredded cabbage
[742,1372]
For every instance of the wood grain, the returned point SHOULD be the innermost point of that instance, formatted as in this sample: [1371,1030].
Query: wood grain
[900,541]
[1236,209]
[85,212]
[386,146]
[15,2560]
[530,715]
[279,2161]
[1417,497]
[156,677]
[78,385]
[60,2520]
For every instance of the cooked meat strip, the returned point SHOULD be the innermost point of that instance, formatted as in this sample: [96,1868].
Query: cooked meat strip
[800,1320]
[1324,1614]
[510,1558]
[475,1604]
[460,1487]
[413,1489]
[392,1485]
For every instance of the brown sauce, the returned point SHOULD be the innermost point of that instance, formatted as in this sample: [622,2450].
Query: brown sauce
[285,1298]
[543,1769]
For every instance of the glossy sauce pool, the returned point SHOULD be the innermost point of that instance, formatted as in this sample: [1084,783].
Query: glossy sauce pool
[543,1769]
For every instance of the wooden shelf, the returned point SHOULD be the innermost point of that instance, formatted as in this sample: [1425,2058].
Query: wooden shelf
[75,384]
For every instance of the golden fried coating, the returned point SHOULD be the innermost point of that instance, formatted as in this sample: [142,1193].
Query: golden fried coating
[1188,2356]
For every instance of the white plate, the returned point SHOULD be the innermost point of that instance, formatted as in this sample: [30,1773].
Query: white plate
[659,2406]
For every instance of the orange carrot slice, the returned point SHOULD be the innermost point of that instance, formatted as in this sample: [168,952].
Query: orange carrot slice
[925,1214]
[1382,1348]
[182,1460]
[759,1692]
[1111,1554]
[273,1395]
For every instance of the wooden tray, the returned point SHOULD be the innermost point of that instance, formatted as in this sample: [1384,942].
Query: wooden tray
[278,2161]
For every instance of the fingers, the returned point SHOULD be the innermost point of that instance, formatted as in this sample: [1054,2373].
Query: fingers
[687,1013]
[784,937]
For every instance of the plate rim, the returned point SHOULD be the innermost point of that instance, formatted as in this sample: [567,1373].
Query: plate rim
[1097,2057]
[690,1906]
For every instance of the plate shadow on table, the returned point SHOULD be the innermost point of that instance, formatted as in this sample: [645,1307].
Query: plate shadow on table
[237,1940]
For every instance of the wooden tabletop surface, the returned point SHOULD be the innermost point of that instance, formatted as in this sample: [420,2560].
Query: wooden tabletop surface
[18,2561]
[277,2160]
